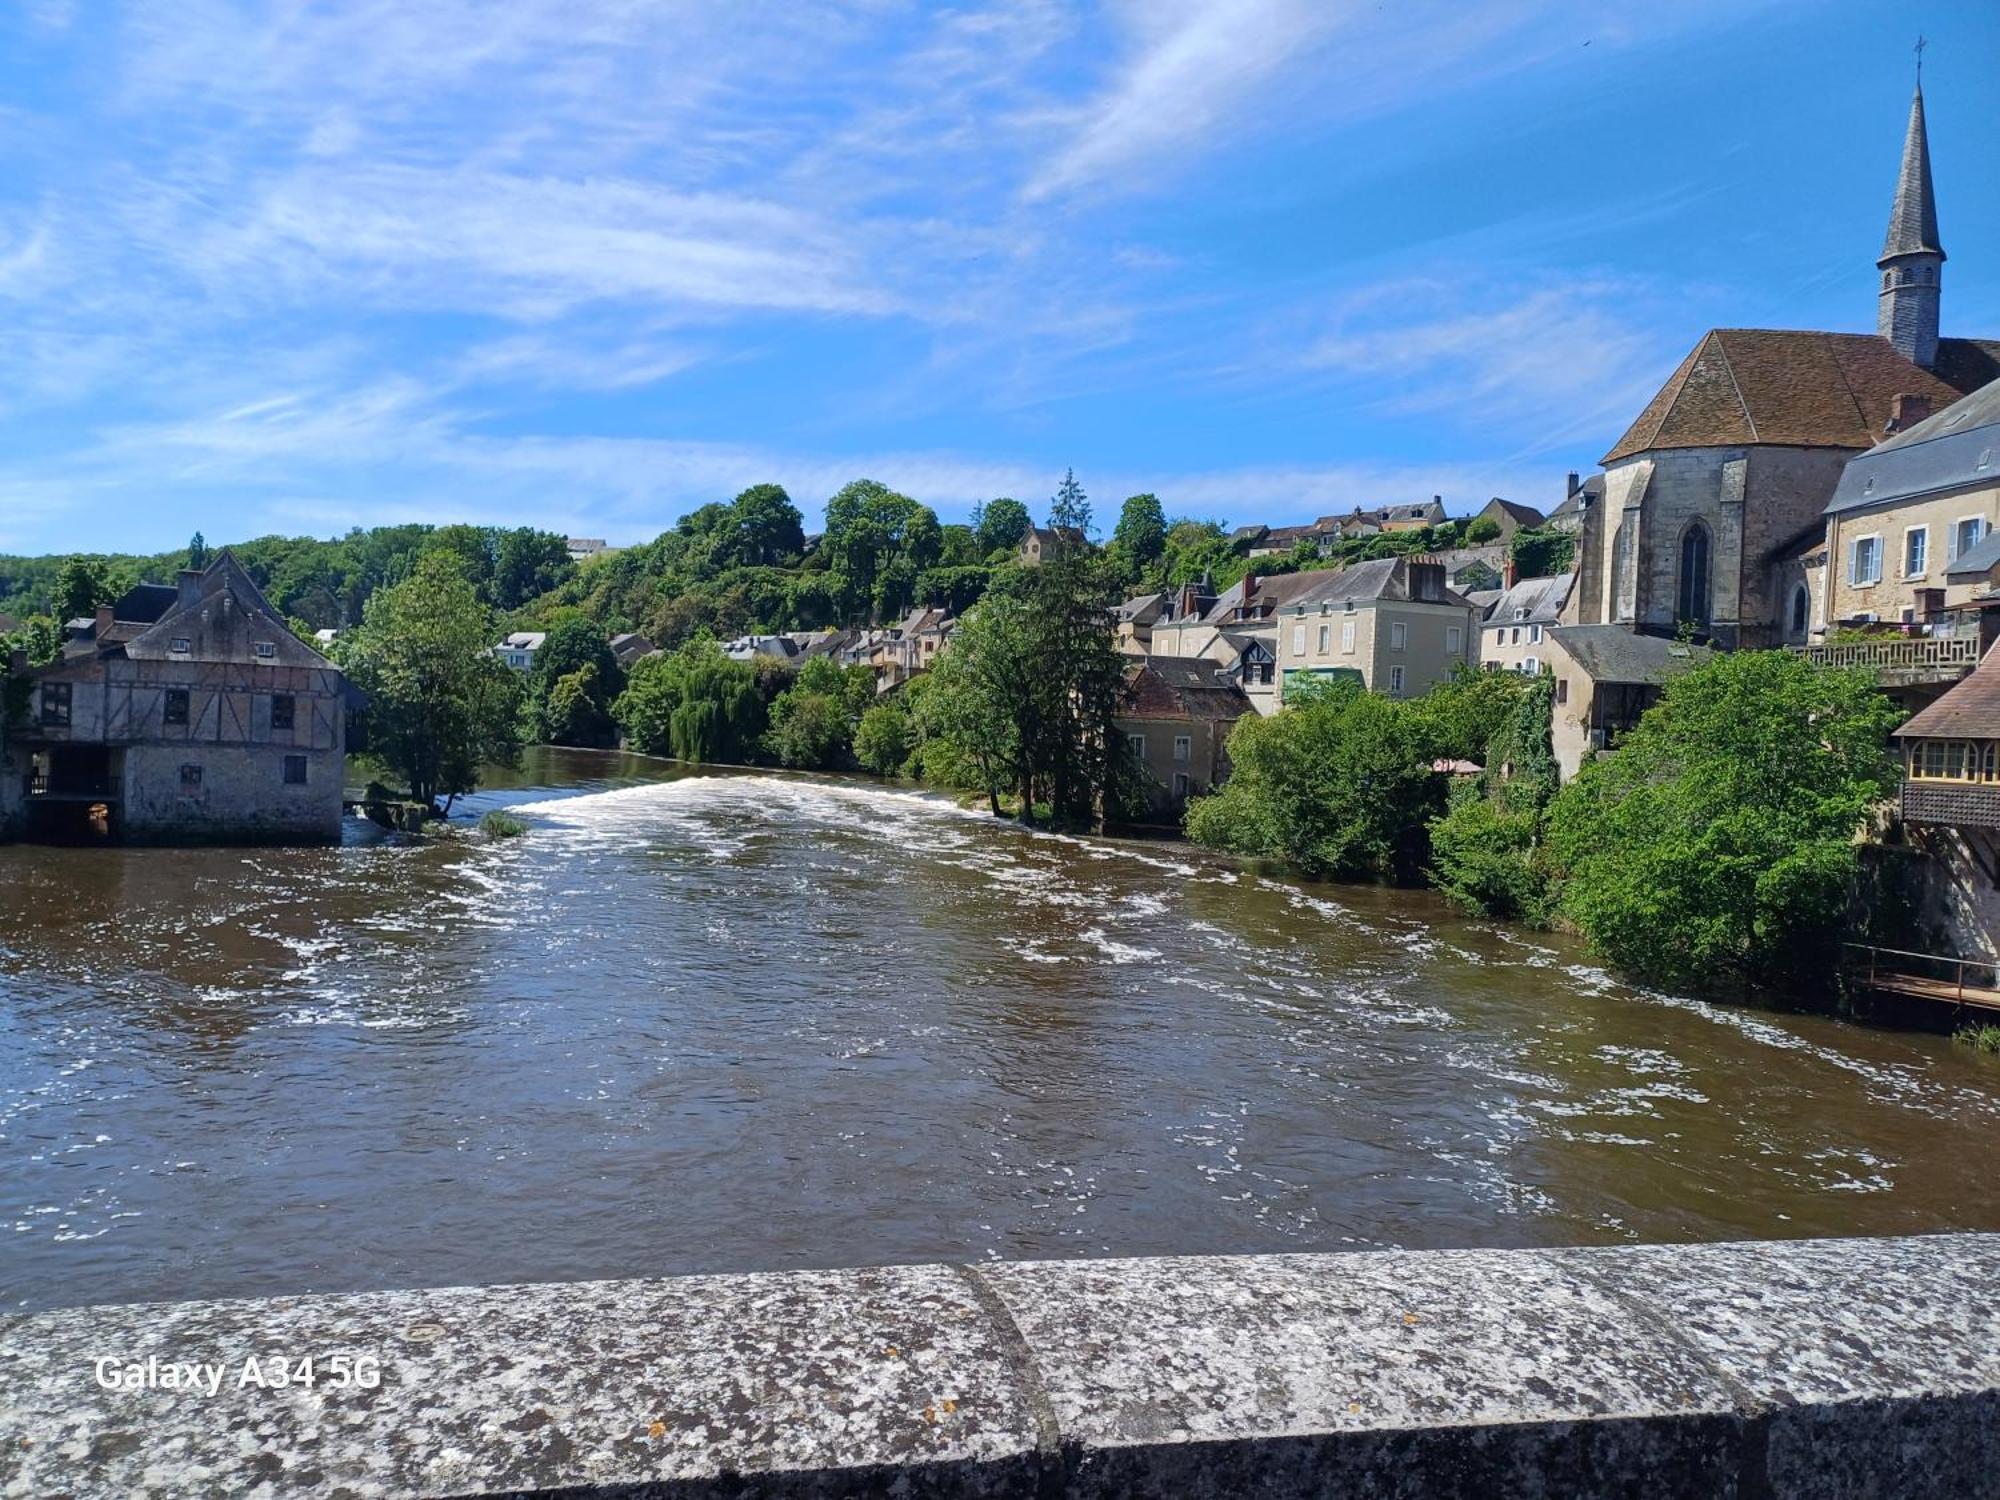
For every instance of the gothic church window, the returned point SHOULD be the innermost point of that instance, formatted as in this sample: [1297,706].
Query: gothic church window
[1693,599]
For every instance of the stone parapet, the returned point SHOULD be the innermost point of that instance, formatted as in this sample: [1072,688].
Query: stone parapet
[1805,1368]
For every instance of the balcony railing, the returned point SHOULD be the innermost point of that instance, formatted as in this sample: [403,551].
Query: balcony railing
[1908,656]
[1952,804]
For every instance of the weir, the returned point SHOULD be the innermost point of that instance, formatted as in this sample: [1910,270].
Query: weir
[1780,1369]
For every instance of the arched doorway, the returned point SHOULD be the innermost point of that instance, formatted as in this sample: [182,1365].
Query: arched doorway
[1692,601]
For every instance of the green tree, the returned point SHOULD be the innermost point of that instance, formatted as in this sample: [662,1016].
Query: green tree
[528,564]
[883,740]
[198,558]
[576,710]
[1486,851]
[577,653]
[764,527]
[693,704]
[1717,844]
[809,731]
[999,525]
[1070,509]
[1338,783]
[1481,529]
[83,583]
[441,704]
[1139,541]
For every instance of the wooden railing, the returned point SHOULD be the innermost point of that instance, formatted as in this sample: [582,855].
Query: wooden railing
[1931,975]
[1899,653]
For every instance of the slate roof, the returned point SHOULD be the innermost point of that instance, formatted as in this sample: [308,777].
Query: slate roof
[1542,598]
[1612,653]
[1378,578]
[1942,452]
[1976,562]
[1275,589]
[1799,389]
[224,618]
[1483,600]
[1589,490]
[1181,687]
[1913,226]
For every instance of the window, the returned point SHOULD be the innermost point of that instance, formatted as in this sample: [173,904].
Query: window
[1801,610]
[181,644]
[1693,600]
[1516,639]
[1916,551]
[1395,679]
[266,648]
[55,704]
[1454,639]
[1535,635]
[1325,635]
[1965,535]
[190,778]
[283,707]
[1399,635]
[1136,743]
[175,709]
[1298,640]
[1562,690]
[1347,637]
[1181,783]
[295,770]
[1864,561]
[1183,748]
[1531,666]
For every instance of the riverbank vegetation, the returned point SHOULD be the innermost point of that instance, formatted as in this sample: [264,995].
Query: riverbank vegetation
[1715,846]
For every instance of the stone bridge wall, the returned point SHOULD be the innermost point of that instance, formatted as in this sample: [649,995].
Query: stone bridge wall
[1810,1368]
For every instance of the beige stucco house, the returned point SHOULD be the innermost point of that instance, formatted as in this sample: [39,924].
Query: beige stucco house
[1605,678]
[1513,637]
[1393,624]
[1176,714]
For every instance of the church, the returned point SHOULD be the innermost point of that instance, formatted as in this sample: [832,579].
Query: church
[1713,500]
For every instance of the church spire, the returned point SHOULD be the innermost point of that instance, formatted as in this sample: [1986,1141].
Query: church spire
[1912,260]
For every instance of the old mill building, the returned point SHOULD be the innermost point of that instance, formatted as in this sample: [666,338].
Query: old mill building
[186,712]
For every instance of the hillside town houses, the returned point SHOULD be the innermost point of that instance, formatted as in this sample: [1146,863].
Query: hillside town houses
[1828,492]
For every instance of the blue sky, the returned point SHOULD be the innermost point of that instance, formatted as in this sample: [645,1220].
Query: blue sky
[271,265]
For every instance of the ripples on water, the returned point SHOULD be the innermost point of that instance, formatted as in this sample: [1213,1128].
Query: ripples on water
[752,1022]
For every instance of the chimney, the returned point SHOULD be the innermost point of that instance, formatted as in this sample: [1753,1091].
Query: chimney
[103,621]
[1426,579]
[190,584]
[1510,571]
[1906,410]
[1575,484]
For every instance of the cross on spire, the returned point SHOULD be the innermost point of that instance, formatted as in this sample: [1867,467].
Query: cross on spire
[1921,44]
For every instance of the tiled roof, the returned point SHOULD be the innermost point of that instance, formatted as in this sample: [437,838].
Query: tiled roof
[1800,389]
[1176,687]
[1970,709]
[1541,598]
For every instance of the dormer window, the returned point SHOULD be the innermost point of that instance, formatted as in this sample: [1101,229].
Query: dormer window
[181,645]
[267,648]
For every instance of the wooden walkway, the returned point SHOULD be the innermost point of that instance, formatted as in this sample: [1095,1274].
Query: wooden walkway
[1971,984]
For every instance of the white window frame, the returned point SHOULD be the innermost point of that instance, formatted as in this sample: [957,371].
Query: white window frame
[1531,666]
[1399,635]
[1396,680]
[1136,743]
[1534,635]
[1325,638]
[1183,749]
[1921,535]
[1299,640]
[1347,637]
[1454,639]
[1955,551]
[1854,571]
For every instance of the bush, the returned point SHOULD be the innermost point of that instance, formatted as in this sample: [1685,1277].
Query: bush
[883,741]
[499,824]
[1481,530]
[809,731]
[1339,783]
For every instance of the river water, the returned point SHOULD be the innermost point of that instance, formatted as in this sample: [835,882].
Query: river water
[704,1022]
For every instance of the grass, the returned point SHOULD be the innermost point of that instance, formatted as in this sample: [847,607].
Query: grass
[1984,1038]
[502,825]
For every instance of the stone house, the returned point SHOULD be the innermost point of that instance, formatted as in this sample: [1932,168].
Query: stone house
[1606,677]
[1737,456]
[1513,636]
[518,649]
[184,713]
[1910,524]
[1237,629]
[1580,496]
[1393,624]
[1510,516]
[1043,540]
[1176,714]
[1134,621]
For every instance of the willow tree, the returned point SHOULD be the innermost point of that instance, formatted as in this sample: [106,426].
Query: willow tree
[441,704]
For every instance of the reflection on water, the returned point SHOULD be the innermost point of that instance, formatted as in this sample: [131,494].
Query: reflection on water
[721,1022]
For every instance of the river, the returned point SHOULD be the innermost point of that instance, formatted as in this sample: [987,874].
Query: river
[707,1022]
